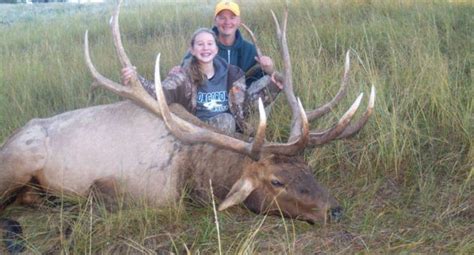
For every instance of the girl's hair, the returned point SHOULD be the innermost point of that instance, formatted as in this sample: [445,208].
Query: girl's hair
[192,66]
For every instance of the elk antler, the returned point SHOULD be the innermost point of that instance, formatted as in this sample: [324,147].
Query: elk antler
[254,39]
[300,131]
[182,129]
[320,138]
[341,129]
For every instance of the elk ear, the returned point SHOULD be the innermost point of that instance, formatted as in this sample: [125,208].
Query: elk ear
[238,193]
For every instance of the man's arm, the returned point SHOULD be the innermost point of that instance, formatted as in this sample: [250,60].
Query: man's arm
[268,87]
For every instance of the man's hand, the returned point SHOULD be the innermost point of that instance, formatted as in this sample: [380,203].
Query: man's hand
[266,63]
[127,73]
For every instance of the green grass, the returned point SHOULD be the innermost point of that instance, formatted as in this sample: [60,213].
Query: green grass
[405,181]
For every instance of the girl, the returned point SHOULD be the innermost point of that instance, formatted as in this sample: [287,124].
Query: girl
[208,87]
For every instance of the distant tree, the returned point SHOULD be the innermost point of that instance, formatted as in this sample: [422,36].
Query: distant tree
[9,1]
[34,1]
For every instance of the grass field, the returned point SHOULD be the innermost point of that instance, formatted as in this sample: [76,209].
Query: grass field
[405,181]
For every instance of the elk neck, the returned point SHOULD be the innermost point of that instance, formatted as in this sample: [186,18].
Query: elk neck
[222,167]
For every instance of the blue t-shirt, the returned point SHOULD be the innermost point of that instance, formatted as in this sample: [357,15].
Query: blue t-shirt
[213,94]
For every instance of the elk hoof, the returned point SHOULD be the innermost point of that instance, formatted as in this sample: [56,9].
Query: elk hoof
[12,236]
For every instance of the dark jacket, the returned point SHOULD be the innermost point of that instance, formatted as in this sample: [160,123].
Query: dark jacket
[242,54]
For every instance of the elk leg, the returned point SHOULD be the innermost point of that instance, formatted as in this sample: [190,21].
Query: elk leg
[30,194]
[106,191]
[20,157]
[11,231]
[23,155]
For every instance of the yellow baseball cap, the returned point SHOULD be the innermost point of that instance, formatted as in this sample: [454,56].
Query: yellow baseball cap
[227,5]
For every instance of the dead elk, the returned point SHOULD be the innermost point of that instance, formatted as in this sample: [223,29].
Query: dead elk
[148,152]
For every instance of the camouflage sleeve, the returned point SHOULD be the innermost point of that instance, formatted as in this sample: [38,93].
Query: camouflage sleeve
[263,88]
[148,85]
[239,105]
[171,87]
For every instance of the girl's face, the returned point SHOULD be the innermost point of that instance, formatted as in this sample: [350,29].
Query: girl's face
[204,48]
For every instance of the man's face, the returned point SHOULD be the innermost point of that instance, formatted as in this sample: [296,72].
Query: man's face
[227,23]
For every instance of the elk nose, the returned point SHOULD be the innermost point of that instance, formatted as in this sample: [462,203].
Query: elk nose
[336,213]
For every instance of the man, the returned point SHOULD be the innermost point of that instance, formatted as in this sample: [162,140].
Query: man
[233,47]
[239,52]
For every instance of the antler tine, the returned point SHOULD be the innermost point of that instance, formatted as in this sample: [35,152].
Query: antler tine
[254,39]
[277,25]
[259,138]
[293,147]
[100,80]
[299,120]
[256,68]
[124,60]
[334,132]
[285,22]
[356,127]
[135,92]
[320,111]
[342,129]
[288,87]
[282,41]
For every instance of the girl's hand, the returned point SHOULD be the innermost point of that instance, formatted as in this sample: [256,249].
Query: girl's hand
[127,73]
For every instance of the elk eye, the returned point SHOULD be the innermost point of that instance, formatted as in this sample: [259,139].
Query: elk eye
[304,191]
[276,183]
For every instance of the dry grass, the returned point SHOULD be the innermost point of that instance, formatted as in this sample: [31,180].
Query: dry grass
[405,181]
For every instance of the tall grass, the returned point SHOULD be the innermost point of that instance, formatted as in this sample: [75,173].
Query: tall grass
[405,181]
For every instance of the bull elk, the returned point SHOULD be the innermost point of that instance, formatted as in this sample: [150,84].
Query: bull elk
[141,149]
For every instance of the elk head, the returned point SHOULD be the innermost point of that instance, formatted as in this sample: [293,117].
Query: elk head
[283,185]
[276,181]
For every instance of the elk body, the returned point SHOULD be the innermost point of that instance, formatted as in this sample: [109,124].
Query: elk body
[133,151]
[138,148]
